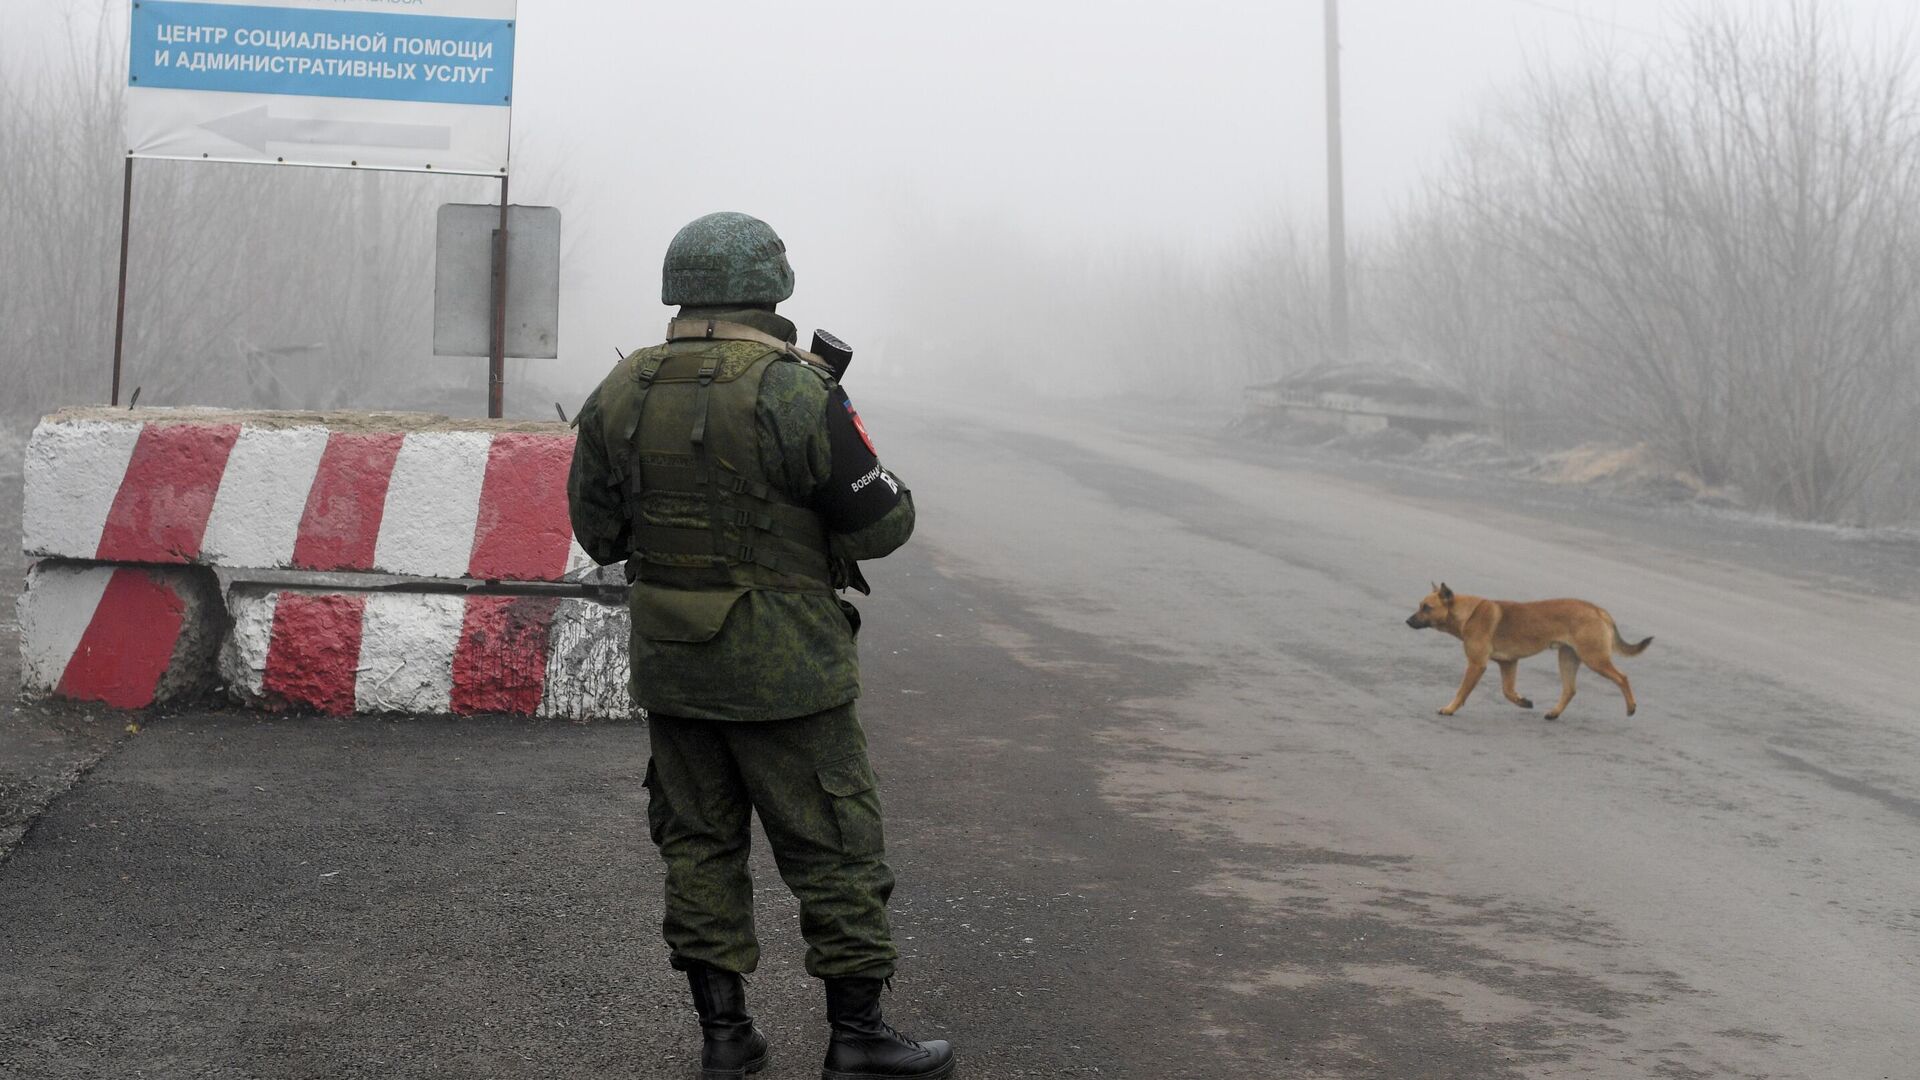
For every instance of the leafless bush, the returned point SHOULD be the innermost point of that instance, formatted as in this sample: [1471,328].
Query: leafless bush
[1719,247]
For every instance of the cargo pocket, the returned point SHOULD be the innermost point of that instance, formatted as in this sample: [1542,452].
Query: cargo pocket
[856,804]
[688,615]
[656,805]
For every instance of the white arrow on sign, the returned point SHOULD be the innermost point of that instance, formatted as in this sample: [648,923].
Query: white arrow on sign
[255,128]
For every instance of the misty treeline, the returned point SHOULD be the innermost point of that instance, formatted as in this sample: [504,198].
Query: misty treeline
[248,285]
[1711,248]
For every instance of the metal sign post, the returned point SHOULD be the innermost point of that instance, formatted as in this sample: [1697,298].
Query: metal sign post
[479,249]
[424,88]
[120,306]
[497,355]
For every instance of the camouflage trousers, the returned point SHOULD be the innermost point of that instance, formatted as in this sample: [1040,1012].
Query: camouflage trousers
[809,780]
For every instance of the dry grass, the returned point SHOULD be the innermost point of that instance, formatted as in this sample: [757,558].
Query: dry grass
[1632,469]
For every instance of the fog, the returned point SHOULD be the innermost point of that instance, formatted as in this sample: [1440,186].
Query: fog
[1076,200]
[1184,772]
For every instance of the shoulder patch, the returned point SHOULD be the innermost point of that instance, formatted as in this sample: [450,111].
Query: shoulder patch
[859,491]
[858,425]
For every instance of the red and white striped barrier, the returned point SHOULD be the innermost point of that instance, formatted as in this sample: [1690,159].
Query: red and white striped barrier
[387,493]
[125,636]
[337,651]
[395,494]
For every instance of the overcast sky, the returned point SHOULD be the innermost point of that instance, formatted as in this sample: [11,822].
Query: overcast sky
[849,124]
[1169,116]
[843,121]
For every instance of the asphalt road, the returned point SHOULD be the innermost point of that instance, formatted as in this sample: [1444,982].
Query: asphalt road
[1167,797]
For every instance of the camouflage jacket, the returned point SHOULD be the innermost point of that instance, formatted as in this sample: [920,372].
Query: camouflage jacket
[778,654]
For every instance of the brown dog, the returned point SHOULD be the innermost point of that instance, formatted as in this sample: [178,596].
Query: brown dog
[1506,633]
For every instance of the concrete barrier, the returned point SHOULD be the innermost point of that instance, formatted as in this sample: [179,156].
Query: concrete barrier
[346,651]
[394,493]
[125,636]
[155,500]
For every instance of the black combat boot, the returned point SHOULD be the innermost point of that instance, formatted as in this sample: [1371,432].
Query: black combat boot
[865,1048]
[733,1047]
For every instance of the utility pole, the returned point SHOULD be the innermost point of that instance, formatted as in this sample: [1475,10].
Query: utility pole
[1336,195]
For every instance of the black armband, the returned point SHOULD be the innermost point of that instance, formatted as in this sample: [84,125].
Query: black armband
[860,491]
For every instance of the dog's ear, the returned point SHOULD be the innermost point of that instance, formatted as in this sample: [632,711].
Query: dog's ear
[1431,587]
[1446,594]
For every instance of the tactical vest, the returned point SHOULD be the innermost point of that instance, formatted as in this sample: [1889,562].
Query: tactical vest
[707,524]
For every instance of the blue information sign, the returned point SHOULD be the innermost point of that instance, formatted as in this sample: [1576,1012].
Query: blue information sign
[314,53]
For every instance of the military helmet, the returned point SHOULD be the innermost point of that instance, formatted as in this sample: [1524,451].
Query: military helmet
[726,258]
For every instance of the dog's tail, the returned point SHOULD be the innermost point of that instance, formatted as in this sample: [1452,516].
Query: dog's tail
[1621,643]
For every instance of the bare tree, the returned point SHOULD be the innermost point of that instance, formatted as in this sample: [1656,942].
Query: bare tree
[1443,296]
[1722,246]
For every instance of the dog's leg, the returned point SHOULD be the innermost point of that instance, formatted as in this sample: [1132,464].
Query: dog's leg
[1509,669]
[1569,670]
[1475,668]
[1604,665]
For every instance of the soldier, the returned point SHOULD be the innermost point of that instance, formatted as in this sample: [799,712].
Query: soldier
[730,471]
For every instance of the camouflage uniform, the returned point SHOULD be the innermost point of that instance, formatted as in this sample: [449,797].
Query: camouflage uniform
[749,676]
